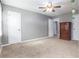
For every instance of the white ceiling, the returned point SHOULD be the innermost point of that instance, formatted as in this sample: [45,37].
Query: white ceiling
[33,5]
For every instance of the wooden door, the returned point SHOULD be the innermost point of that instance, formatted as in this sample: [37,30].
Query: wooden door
[65,30]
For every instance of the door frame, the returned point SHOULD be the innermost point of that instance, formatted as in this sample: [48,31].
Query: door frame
[50,24]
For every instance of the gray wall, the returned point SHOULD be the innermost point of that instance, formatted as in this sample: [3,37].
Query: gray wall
[65,17]
[34,25]
[0,22]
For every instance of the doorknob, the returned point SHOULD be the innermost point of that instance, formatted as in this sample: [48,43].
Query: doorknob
[18,29]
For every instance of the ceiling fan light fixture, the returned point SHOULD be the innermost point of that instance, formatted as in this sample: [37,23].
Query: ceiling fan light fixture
[73,11]
[49,10]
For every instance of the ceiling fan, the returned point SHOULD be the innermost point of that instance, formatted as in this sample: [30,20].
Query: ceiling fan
[50,7]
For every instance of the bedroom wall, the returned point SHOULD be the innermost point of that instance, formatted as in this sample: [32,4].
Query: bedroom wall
[75,27]
[65,18]
[34,25]
[68,18]
[60,18]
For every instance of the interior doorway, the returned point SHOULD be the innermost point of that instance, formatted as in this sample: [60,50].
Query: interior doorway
[55,28]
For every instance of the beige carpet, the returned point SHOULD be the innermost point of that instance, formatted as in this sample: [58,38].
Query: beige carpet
[46,48]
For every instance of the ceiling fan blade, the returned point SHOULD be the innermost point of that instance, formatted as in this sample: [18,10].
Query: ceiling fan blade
[44,10]
[42,7]
[57,6]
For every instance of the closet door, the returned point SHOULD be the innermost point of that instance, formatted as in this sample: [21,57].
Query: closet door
[65,30]
[14,27]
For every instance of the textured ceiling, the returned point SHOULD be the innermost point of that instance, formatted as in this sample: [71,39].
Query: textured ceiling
[33,5]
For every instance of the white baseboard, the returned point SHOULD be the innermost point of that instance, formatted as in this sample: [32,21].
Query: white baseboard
[76,39]
[26,41]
